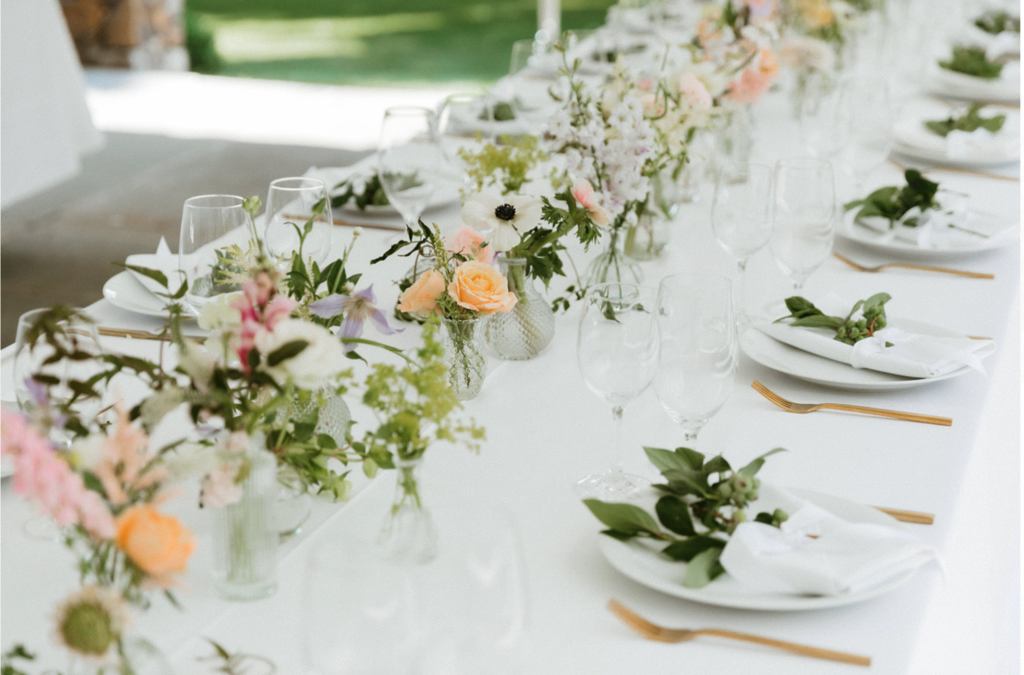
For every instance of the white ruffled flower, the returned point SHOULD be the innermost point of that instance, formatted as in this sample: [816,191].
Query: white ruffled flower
[219,315]
[199,364]
[322,359]
[87,452]
[503,219]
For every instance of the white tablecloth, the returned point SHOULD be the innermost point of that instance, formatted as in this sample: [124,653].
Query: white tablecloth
[546,430]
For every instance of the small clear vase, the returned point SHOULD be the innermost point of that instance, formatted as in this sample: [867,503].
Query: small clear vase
[409,535]
[131,655]
[245,535]
[649,235]
[464,356]
[525,331]
[735,140]
[613,266]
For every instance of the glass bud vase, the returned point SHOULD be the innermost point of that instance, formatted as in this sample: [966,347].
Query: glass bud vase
[409,535]
[245,535]
[613,266]
[735,140]
[649,235]
[134,655]
[464,356]
[525,331]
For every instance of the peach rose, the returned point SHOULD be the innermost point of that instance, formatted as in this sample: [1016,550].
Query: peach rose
[481,288]
[160,545]
[421,297]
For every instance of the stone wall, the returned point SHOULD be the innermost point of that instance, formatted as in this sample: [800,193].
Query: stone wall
[137,34]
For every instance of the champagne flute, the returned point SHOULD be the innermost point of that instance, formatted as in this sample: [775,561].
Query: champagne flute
[741,217]
[866,117]
[699,348]
[291,204]
[803,216]
[617,351]
[409,160]
[210,224]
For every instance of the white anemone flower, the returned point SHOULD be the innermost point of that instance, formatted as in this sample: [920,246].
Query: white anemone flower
[503,219]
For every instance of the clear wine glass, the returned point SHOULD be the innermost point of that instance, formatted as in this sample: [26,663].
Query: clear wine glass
[821,127]
[741,217]
[461,119]
[409,158]
[803,216]
[522,55]
[291,203]
[209,224]
[617,351]
[699,349]
[866,117]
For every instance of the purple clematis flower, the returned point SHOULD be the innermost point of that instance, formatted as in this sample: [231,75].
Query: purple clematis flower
[357,308]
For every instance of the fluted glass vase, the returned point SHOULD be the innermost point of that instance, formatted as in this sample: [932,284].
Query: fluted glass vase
[464,356]
[647,237]
[409,534]
[614,265]
[245,535]
[525,331]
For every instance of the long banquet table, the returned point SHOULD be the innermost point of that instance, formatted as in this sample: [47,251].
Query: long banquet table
[545,430]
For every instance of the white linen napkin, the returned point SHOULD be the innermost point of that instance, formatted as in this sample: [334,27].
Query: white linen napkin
[844,557]
[1006,43]
[953,226]
[912,354]
[164,261]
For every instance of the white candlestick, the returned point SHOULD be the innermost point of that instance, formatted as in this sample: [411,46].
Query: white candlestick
[549,18]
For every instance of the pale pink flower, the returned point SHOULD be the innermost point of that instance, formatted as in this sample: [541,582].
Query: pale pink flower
[126,460]
[583,191]
[279,308]
[467,241]
[221,486]
[754,81]
[760,9]
[695,91]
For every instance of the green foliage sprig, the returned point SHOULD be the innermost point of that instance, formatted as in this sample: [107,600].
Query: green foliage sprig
[969,121]
[972,61]
[998,21]
[372,193]
[894,202]
[508,165]
[848,330]
[698,493]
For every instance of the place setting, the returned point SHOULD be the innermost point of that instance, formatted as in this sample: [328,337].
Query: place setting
[969,136]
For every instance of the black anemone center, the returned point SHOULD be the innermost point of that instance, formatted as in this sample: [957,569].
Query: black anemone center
[505,212]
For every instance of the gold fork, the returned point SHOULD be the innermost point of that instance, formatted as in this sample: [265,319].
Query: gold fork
[789,406]
[966,172]
[658,633]
[926,268]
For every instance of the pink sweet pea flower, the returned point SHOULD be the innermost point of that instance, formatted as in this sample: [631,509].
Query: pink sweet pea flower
[695,91]
[583,192]
[468,242]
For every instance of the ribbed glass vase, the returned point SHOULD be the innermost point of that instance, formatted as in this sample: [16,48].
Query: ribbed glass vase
[525,331]
[464,356]
[245,535]
[613,265]
[409,535]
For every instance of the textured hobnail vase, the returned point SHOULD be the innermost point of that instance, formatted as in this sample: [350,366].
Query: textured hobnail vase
[613,266]
[409,535]
[333,413]
[245,535]
[525,331]
[464,356]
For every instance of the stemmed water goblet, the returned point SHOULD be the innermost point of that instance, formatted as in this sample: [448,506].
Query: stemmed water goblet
[741,217]
[803,216]
[617,350]
[291,204]
[698,354]
[462,118]
[409,159]
[209,225]
[866,116]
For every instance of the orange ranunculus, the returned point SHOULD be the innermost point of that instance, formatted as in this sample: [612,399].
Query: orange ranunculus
[481,288]
[421,297]
[160,545]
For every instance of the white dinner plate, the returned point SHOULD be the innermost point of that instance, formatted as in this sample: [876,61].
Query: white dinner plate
[123,290]
[803,365]
[440,198]
[641,561]
[912,138]
[968,245]
[1005,89]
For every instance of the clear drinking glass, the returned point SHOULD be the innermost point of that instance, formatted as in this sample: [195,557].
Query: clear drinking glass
[209,224]
[823,131]
[866,116]
[741,217]
[803,216]
[699,348]
[461,118]
[290,205]
[617,350]
[522,54]
[409,159]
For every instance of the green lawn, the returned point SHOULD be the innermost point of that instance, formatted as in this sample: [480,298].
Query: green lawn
[382,42]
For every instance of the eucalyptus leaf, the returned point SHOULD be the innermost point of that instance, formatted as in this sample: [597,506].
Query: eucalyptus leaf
[755,466]
[286,351]
[703,568]
[624,518]
[686,549]
[674,514]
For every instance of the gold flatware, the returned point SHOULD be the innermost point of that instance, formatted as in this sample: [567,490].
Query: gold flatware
[925,268]
[140,335]
[789,406]
[978,337]
[948,169]
[653,631]
[343,223]
[915,517]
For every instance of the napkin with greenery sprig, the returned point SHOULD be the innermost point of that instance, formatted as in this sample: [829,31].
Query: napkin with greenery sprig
[893,203]
[970,121]
[972,61]
[848,330]
[702,502]
[998,21]
[369,192]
